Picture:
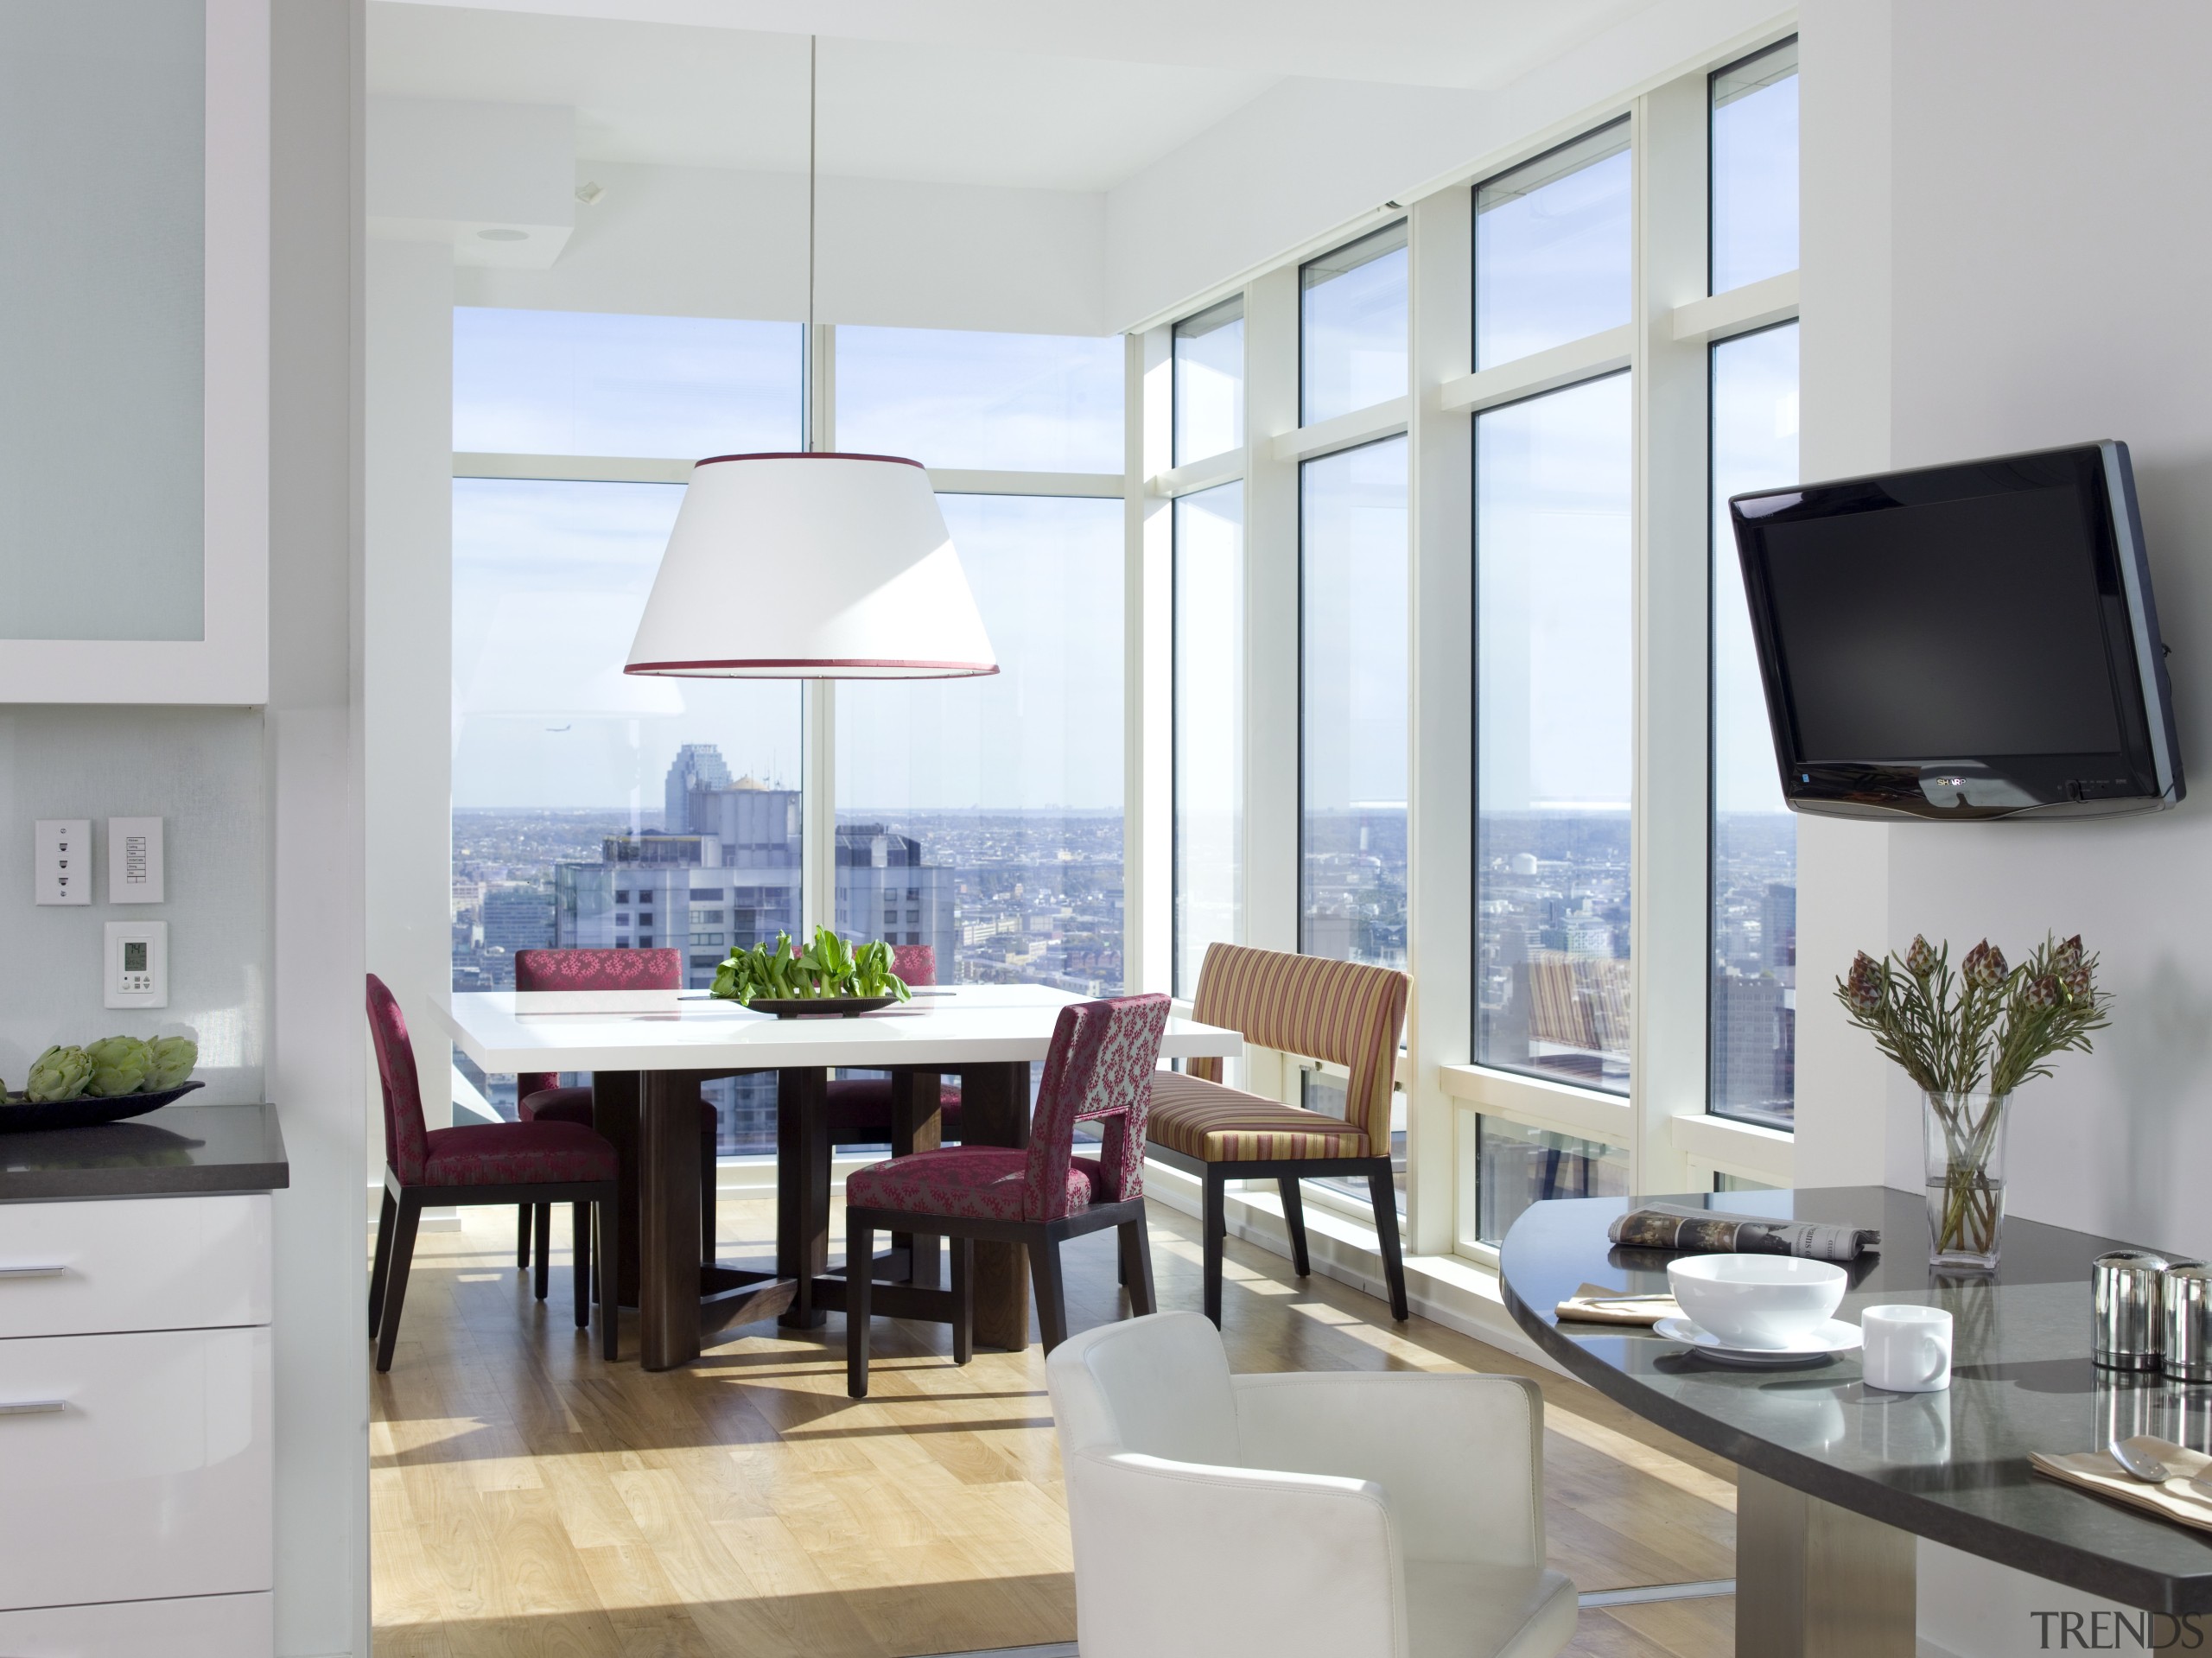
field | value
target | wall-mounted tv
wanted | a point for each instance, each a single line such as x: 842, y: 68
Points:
x: 1960, y: 642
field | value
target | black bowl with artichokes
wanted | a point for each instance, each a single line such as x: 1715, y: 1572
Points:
x: 106, y: 1081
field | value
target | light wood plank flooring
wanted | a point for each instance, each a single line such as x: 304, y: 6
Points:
x: 528, y: 1500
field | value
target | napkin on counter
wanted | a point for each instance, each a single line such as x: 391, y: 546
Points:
x: 1593, y: 1304
x: 2095, y: 1471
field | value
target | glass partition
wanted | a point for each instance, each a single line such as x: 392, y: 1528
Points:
x: 1519, y: 1166
x: 1210, y: 381
x: 1754, y: 222
x: 1351, y: 349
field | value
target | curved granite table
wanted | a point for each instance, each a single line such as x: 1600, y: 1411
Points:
x: 1836, y: 1478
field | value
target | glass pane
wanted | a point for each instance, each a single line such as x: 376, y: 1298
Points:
x: 103, y: 111
x: 1554, y: 710
x: 1352, y: 558
x: 1755, y: 168
x: 580, y: 383
x: 1551, y: 248
x: 592, y: 809
x: 1740, y: 1183
x: 983, y: 816
x: 1516, y: 1166
x: 991, y: 401
x: 1210, y: 381
x: 1352, y: 344
x: 1754, y: 835
x: 1209, y: 698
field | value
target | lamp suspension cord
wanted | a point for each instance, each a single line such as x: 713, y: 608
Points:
x: 813, y: 355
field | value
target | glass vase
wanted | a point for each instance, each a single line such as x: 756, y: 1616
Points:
x: 1963, y: 1139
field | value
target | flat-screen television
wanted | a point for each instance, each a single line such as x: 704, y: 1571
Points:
x: 1961, y: 642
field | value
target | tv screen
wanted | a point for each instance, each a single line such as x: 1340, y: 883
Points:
x: 1972, y: 640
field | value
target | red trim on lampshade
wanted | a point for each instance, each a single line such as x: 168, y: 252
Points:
x: 813, y: 455
x: 818, y: 667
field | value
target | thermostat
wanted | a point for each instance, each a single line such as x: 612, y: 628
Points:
x: 137, y: 964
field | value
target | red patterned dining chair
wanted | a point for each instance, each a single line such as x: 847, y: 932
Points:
x: 1099, y: 1069
x: 1345, y: 1012
x: 482, y: 1163
x: 859, y: 1107
x: 539, y: 1096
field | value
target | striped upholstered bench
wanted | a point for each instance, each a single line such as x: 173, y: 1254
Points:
x: 1343, y: 1012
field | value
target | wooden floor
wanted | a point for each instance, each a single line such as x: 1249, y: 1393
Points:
x: 529, y: 1500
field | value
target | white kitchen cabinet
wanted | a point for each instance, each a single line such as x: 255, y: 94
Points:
x: 209, y: 1626
x: 95, y: 1268
x: 134, y: 321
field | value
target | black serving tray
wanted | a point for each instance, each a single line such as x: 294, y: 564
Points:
x: 818, y: 1006
x: 19, y: 1115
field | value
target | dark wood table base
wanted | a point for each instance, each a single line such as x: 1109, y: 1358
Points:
x: 652, y: 1118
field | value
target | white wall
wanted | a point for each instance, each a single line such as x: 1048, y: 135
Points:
x: 318, y: 1042
x: 2002, y: 250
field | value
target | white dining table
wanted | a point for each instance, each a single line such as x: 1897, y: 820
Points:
x: 648, y: 1053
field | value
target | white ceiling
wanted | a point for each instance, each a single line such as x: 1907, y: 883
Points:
x: 673, y: 95
x: 1467, y: 43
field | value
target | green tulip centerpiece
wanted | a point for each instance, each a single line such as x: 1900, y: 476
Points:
x: 1969, y: 1039
x: 829, y: 971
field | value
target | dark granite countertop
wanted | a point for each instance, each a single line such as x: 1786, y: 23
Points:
x: 178, y: 1151
x: 1952, y: 1465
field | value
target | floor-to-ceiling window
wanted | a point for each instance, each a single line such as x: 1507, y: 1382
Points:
x: 982, y: 816
x: 1554, y: 654
x: 1753, y: 1019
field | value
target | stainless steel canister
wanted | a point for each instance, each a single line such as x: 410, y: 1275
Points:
x: 2123, y: 1290
x: 2185, y: 1299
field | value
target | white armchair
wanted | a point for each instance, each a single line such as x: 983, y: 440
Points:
x: 1345, y: 1514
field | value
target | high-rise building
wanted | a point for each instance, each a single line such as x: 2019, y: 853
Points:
x: 885, y: 891
x: 698, y: 765
x: 1779, y: 930
x: 516, y: 917
x: 1753, y: 1036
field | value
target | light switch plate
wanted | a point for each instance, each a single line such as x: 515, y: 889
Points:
x: 134, y: 861
x: 63, y: 861
x: 137, y: 964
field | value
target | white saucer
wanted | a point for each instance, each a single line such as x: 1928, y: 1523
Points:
x: 1822, y: 1339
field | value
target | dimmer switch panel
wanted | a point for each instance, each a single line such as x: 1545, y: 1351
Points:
x: 134, y: 861
x: 63, y: 861
x: 137, y: 964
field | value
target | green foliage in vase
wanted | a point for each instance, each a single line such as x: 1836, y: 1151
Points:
x: 1987, y: 1027
x: 60, y: 1073
x: 828, y: 967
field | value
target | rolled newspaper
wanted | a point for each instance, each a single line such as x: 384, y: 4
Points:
x: 1712, y: 1231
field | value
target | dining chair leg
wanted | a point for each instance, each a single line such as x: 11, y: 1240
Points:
x: 963, y: 1299
x: 707, y: 1240
x: 1383, y: 1189
x: 1051, y: 1292
x: 609, y: 1258
x: 1215, y: 1229
x: 1135, y: 1251
x: 380, y: 1273
x: 1293, y: 1218
x: 580, y: 1258
x: 859, y: 1249
x: 542, y: 1225
x: 522, y: 1237
x: 403, y: 1256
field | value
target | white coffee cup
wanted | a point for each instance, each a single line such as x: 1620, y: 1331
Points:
x: 1908, y: 1348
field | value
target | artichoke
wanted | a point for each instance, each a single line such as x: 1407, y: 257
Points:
x: 120, y: 1065
x: 170, y: 1060
x: 59, y: 1074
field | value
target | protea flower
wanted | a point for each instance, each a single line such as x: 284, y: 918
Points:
x: 2042, y: 994
x: 1919, y: 960
x: 2077, y: 979
x: 1864, y: 987
x: 1984, y: 967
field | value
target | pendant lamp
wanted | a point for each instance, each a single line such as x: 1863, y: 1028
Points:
x: 815, y: 565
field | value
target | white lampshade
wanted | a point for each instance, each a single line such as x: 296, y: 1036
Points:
x: 811, y: 566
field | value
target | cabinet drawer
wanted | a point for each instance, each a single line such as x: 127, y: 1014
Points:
x: 137, y: 1263
x: 212, y: 1626
x: 136, y: 1467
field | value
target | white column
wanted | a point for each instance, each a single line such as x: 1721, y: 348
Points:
x: 1271, y: 603
x: 408, y: 677
x: 1148, y: 802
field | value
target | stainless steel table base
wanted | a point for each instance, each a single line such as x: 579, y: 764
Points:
x: 1814, y: 1580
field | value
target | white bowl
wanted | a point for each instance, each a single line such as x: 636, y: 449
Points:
x: 1757, y: 1301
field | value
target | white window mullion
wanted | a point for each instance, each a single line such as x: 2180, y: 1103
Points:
x: 1271, y: 805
